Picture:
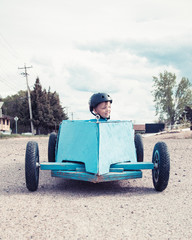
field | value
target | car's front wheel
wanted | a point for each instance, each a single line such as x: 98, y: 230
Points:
x: 161, y: 161
x: 32, y: 166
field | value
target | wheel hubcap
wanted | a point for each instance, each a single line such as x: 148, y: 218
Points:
x: 37, y: 167
x: 156, y: 166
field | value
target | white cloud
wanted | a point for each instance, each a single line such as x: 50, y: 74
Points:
x: 81, y: 47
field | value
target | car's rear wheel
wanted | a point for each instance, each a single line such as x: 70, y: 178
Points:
x: 139, y: 147
x: 51, y: 147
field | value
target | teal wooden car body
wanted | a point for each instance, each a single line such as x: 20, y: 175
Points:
x: 96, y: 151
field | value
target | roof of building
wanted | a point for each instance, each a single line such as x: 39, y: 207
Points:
x: 139, y: 127
x: 6, y: 117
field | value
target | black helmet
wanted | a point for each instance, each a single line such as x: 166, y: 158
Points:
x: 98, y: 98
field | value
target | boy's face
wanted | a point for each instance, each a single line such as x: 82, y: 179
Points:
x: 103, y: 109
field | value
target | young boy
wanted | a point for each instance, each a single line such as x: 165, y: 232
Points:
x: 100, y: 105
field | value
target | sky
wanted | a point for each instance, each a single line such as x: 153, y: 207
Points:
x: 80, y: 47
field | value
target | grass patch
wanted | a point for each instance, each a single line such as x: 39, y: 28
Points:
x: 4, y: 136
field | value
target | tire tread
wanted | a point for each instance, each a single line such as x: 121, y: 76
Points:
x: 164, y: 166
x: 31, y: 172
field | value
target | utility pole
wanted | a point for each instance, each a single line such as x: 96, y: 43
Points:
x: 29, y: 97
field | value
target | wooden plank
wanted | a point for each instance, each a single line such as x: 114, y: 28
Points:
x: 80, y: 169
x: 133, y: 166
x: 67, y: 166
x: 116, y: 169
x: 83, y: 176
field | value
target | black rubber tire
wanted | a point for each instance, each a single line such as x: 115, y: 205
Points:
x: 161, y: 160
x: 51, y: 147
x: 139, y: 147
x: 32, y: 166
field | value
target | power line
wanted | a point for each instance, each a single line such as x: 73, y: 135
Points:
x: 12, y: 51
x: 29, y: 96
x: 10, y: 59
x: 9, y: 79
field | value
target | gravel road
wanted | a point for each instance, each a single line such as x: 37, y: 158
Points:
x: 66, y: 209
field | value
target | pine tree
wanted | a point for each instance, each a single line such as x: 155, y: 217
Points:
x: 47, y: 110
x: 38, y: 99
x: 56, y: 109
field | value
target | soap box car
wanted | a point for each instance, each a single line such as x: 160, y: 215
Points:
x: 97, y: 151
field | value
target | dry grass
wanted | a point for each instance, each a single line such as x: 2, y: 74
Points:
x: 176, y: 135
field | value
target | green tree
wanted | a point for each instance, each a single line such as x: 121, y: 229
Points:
x: 170, y: 99
x: 38, y: 102
x: 17, y: 105
x: 183, y: 97
x: 187, y: 115
x: 56, y: 109
x: 46, y: 108
x: 23, y: 114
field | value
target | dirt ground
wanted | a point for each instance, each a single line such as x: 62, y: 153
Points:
x: 66, y: 209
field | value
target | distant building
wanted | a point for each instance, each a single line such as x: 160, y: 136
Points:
x: 149, y: 127
x: 139, y: 128
x: 4, y: 121
x: 154, y: 127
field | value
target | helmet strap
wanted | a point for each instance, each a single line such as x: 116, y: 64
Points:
x: 98, y: 116
x: 93, y: 113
